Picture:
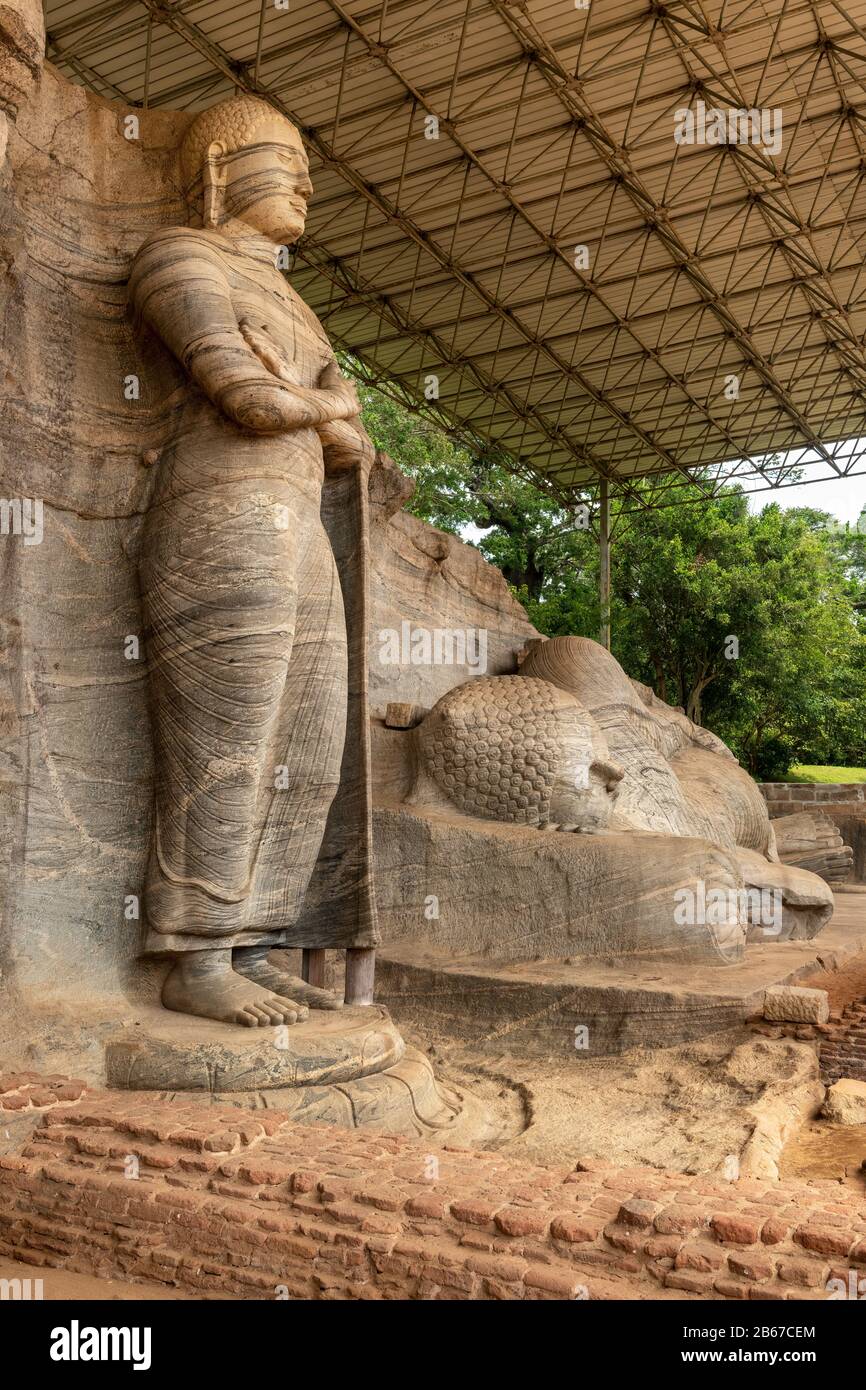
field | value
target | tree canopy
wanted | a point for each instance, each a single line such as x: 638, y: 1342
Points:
x: 753, y: 622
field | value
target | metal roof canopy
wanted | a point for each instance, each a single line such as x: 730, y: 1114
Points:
x: 454, y: 256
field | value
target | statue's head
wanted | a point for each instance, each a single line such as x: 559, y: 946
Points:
x: 515, y: 749
x: 584, y: 668
x: 242, y: 159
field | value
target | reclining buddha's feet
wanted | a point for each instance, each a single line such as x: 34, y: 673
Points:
x: 253, y: 962
x: 203, y: 983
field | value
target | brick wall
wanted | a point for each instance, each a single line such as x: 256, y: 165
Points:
x: 209, y: 1198
x: 787, y: 798
x: 25, y: 1091
x: 843, y: 1049
x: 841, y: 1042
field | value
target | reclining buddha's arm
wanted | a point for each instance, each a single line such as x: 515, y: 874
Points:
x: 179, y: 288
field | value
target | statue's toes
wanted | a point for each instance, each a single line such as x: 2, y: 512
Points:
x: 272, y: 1011
x: 287, y: 1009
x: 320, y: 998
x: 310, y: 996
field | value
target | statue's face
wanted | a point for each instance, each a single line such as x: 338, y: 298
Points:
x: 584, y: 792
x: 267, y: 184
x: 587, y: 778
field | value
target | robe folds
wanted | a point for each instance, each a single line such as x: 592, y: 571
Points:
x: 253, y: 574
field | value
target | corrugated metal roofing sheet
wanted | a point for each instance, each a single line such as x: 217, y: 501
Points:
x: 456, y: 255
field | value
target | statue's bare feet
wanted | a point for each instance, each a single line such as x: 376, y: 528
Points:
x: 203, y: 983
x: 253, y: 962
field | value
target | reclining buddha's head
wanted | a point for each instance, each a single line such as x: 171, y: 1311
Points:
x: 511, y: 748
x: 585, y: 669
x: 242, y: 159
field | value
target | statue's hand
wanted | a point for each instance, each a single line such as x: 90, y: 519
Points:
x: 331, y: 379
x: 259, y: 341
x: 346, y: 444
x: 336, y: 396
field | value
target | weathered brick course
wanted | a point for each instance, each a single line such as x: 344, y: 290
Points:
x: 262, y: 1208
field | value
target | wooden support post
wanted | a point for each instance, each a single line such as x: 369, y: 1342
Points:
x: 360, y: 974
x: 313, y: 967
x: 604, y: 561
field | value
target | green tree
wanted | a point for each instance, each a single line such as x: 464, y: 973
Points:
x: 753, y: 623
x: 530, y: 537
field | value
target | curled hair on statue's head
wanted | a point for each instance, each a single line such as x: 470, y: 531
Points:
x: 230, y: 124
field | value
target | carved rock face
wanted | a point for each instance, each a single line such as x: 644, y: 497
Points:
x: 517, y: 749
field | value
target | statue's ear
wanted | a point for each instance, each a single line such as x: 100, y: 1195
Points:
x: 213, y: 184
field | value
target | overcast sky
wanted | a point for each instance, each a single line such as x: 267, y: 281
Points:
x: 842, y: 497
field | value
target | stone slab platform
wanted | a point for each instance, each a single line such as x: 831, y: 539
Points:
x: 171, y: 1051
x: 349, y: 1067
x: 536, y: 1008
x: 209, y: 1200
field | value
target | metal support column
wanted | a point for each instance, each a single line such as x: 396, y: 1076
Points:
x: 604, y: 561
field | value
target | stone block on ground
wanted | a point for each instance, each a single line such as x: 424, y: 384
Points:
x: 845, y: 1103
x: 795, y: 1004
x: 400, y: 715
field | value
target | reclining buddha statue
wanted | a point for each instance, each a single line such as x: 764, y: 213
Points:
x: 672, y: 846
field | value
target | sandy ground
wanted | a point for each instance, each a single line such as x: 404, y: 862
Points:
x: 823, y: 1150
x: 842, y: 985
x: 687, y: 1108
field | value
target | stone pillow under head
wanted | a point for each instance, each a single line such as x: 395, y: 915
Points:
x: 517, y: 749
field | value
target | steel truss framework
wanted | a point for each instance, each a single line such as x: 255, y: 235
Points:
x: 713, y: 327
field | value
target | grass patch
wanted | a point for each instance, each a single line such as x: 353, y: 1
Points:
x: 801, y: 772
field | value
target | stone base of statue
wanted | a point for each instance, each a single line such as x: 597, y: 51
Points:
x: 349, y: 1068
x: 175, y: 1052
